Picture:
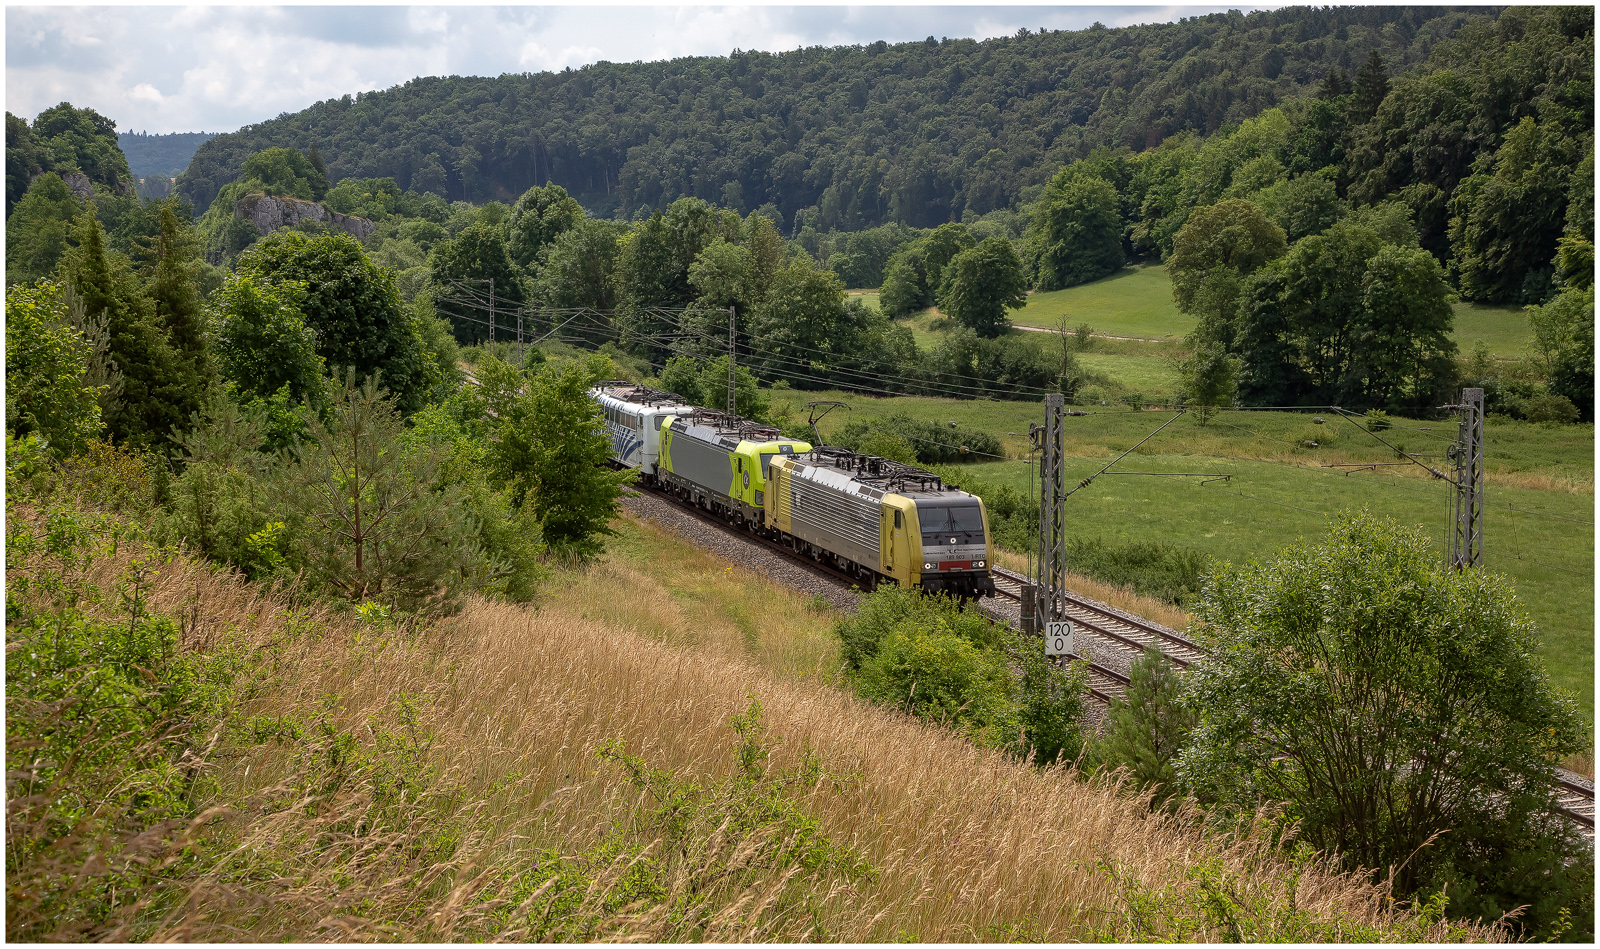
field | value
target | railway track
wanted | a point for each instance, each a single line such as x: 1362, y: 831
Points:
x: 1115, y: 626
x: 1104, y: 684
x: 1119, y: 629
x: 1575, y: 797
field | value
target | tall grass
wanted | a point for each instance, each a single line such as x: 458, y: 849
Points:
x: 502, y: 775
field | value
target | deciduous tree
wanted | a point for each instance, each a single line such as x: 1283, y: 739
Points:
x: 981, y: 284
x: 38, y: 231
x: 353, y: 307
x: 47, y: 362
x: 1075, y: 231
x: 262, y: 342
x: 553, y: 452
x: 1217, y: 248
x: 1386, y: 700
x: 540, y: 216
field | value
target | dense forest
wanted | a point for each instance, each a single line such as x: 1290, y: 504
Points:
x: 1318, y: 243
x: 920, y: 133
x: 161, y: 154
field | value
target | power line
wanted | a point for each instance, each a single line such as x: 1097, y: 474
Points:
x: 977, y: 392
x: 958, y: 391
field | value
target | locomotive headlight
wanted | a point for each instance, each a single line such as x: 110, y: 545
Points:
x: 927, y: 566
x: 981, y: 563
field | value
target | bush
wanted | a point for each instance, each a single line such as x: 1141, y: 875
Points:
x: 114, y: 715
x: 933, y: 443
x: 927, y: 656
x: 1312, y: 655
x: 1155, y: 569
x: 1548, y: 407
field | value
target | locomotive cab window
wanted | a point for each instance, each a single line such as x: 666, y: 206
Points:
x: 962, y: 521
x: 897, y: 523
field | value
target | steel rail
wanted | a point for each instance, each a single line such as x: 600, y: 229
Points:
x: 1111, y: 681
x: 1132, y: 622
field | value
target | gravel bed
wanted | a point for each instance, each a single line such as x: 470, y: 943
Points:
x: 740, y: 551
x: 1107, y: 653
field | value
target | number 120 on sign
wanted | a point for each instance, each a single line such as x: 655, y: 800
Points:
x: 1058, y: 639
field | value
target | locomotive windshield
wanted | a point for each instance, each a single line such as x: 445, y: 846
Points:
x: 962, y: 520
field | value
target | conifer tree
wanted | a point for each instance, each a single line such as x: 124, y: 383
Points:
x: 152, y: 406
x: 1148, y: 726
x: 1372, y: 87
x: 176, y: 299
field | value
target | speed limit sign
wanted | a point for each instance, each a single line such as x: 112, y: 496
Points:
x: 1058, y: 639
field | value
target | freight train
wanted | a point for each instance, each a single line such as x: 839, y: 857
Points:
x: 875, y: 519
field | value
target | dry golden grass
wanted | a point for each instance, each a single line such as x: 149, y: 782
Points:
x: 510, y: 704
x: 685, y: 596
x: 1540, y: 481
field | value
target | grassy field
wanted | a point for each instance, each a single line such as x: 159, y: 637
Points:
x: 1540, y: 492
x: 1155, y: 376
x: 1135, y: 301
x: 1135, y: 306
x: 1541, y: 540
x: 869, y: 297
x: 629, y: 762
x: 1504, y: 329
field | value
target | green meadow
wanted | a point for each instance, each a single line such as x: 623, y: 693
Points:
x: 1136, y: 302
x: 1539, y: 525
x: 1541, y: 541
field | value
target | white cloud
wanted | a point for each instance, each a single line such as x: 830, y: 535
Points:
x: 144, y: 92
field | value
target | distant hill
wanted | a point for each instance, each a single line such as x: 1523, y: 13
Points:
x: 161, y: 154
x: 921, y: 133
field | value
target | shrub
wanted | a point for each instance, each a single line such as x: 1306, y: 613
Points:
x: 932, y: 443
x: 1160, y: 570
x: 1312, y: 656
x: 1548, y: 407
x: 114, y: 716
x: 927, y: 656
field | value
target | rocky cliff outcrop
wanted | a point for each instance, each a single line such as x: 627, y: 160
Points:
x: 79, y: 184
x: 269, y: 213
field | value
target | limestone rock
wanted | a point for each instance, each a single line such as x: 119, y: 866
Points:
x: 270, y: 213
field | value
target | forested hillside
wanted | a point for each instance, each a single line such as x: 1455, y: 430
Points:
x: 920, y: 133
x: 160, y: 154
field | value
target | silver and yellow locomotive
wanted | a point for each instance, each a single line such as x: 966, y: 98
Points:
x: 871, y: 517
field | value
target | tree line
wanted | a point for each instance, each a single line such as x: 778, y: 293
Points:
x: 290, y: 414
x: 840, y: 138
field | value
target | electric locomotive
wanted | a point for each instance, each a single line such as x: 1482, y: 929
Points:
x: 883, y: 519
x: 634, y: 415
x: 874, y: 518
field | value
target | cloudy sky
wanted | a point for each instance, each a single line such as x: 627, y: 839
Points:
x: 216, y: 68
